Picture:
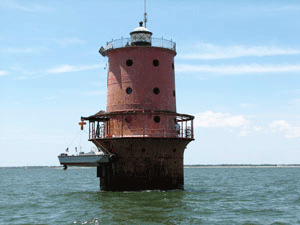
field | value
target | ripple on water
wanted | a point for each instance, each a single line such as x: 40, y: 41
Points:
x: 212, y: 196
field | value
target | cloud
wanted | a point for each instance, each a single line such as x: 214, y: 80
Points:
x: 29, y: 77
x: 281, y: 124
x: 289, y: 130
x: 238, y: 69
x: 24, y: 50
x: 242, y: 126
x: 284, y: 8
x: 245, y: 105
x: 39, y: 100
x: 211, y: 119
x: 211, y: 52
x: 40, y: 49
x: 249, y: 129
x: 232, y: 123
x: 3, y: 73
x: 68, y: 41
x: 69, y: 68
x: 14, y: 5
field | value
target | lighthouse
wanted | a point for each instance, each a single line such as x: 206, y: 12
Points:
x: 140, y: 131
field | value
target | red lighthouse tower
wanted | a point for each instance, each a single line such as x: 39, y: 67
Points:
x: 140, y: 130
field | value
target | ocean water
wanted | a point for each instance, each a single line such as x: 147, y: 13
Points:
x: 211, y: 196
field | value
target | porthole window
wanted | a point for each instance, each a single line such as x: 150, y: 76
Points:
x: 129, y: 62
x: 156, y: 91
x: 156, y: 119
x: 155, y: 62
x: 129, y: 90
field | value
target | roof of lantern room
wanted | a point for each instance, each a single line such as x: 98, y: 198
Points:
x: 141, y: 32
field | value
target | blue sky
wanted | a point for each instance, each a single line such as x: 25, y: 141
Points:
x: 237, y: 70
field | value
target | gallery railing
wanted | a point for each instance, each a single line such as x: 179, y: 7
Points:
x: 126, y: 42
x: 102, y: 130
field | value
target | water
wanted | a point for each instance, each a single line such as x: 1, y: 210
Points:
x: 211, y: 196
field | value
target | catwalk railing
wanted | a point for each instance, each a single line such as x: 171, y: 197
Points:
x: 96, y: 132
x: 102, y: 130
x: 119, y: 125
x: 126, y: 42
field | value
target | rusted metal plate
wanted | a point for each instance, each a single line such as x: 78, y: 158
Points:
x: 148, y: 74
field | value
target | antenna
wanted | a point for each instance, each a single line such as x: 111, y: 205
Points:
x: 145, y: 14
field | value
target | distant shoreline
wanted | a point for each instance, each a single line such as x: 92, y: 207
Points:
x: 185, y: 166
x: 244, y: 166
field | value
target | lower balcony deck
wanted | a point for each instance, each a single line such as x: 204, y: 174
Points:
x: 151, y: 124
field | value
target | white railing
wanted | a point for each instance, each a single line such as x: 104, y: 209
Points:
x: 125, y: 42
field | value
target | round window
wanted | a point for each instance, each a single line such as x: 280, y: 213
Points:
x: 156, y: 119
x: 156, y: 91
x: 155, y: 62
x: 129, y: 62
x: 129, y: 90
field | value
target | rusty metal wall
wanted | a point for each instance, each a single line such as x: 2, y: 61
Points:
x: 145, y: 164
x: 142, y: 77
x: 142, y: 125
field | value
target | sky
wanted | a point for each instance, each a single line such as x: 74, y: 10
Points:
x: 237, y: 70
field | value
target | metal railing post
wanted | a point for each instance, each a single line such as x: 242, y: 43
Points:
x: 192, y: 128
x: 122, y: 125
x: 89, y: 129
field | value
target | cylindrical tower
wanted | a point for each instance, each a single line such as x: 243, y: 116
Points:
x: 141, y: 129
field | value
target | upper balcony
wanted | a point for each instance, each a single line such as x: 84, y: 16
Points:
x: 140, y: 36
x: 127, y: 42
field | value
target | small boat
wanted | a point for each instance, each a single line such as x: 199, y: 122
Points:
x: 83, y: 159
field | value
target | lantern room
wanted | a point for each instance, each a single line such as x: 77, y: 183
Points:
x: 141, y: 36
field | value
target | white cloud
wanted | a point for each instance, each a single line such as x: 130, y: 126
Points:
x: 211, y: 119
x: 281, y: 124
x: 27, y: 77
x: 3, y: 73
x: 242, y: 126
x: 244, y: 104
x: 284, y: 8
x: 210, y: 51
x: 249, y: 129
x: 11, y: 4
x: 68, y: 41
x: 24, y: 50
x: 289, y: 130
x: 247, y: 105
x: 232, y: 123
x: 69, y: 68
x: 296, y: 101
x: 38, y: 100
x: 238, y: 69
x: 257, y: 128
